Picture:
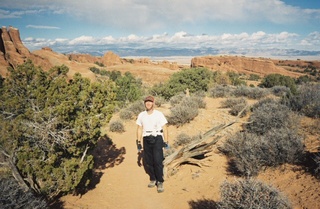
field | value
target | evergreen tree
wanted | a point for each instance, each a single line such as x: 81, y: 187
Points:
x: 48, y: 124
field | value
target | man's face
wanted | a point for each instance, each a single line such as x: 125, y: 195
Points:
x: 149, y: 105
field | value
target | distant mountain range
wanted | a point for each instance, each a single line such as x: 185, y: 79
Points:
x: 98, y: 50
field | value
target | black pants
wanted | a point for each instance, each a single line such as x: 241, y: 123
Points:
x: 153, y: 156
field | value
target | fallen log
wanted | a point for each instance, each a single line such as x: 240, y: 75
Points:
x: 196, y: 148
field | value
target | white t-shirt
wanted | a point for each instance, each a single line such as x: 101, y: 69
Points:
x: 152, y: 124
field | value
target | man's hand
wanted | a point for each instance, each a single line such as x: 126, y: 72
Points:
x: 139, y: 146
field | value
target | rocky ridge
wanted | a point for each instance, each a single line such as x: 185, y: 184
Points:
x: 13, y: 53
x: 246, y: 65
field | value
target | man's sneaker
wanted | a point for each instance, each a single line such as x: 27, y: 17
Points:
x: 160, y: 187
x: 152, y: 184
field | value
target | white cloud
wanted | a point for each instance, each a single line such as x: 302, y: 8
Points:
x: 142, y: 15
x: 312, y: 40
x: 184, y: 40
x: 7, y: 14
x: 42, y: 27
x: 83, y: 40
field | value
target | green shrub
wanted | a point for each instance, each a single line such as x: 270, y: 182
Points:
x: 116, y: 126
x: 303, y: 79
x: 129, y: 88
x: 250, y: 193
x: 53, y: 122
x: 99, y: 64
x: 235, y: 79
x: 194, y: 79
x: 254, y: 77
x: 272, y: 80
x: 95, y: 70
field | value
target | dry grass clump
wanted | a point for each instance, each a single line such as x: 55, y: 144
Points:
x: 176, y: 99
x: 13, y: 196
x: 238, y: 91
x: 250, y: 92
x: 249, y: 152
x: 280, y: 91
x: 126, y: 114
x: 249, y: 193
x: 159, y: 101
x: 116, y: 126
x: 269, y: 139
x: 230, y: 102
x: 236, y: 109
x: 185, y: 110
x: 306, y: 101
x: 136, y: 107
x: 182, y: 139
x: 236, y: 105
x: 270, y: 114
x: 221, y: 91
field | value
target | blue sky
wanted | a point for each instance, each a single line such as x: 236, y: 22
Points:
x: 287, y: 24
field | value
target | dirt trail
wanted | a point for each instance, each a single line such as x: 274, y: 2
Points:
x: 123, y: 184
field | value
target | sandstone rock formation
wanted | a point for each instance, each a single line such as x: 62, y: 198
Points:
x: 13, y: 52
x: 238, y: 64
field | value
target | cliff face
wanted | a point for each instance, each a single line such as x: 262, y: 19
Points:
x: 13, y: 52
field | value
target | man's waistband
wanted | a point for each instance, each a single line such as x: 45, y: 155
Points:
x: 159, y: 131
x: 153, y: 133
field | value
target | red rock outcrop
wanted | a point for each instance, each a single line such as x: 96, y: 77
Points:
x: 14, y: 53
x: 110, y: 59
x: 245, y: 65
x: 83, y: 58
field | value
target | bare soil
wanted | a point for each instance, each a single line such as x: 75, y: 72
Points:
x: 121, y: 181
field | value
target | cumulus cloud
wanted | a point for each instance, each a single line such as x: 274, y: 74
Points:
x: 83, y: 40
x: 182, y: 39
x: 149, y: 15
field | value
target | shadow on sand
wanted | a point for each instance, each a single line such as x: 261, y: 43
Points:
x: 106, y: 155
x: 203, y: 204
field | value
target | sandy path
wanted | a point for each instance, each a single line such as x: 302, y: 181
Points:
x: 123, y: 184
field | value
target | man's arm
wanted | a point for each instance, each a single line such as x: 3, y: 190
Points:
x: 139, y: 133
x: 165, y: 133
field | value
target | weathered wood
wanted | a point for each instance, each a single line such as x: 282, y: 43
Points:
x: 196, y: 148
x: 15, y: 173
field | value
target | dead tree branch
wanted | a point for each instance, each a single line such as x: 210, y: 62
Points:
x: 196, y: 148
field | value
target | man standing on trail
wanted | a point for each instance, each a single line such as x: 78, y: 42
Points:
x: 152, y: 130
